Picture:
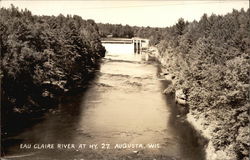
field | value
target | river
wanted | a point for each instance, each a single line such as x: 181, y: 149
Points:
x: 121, y: 115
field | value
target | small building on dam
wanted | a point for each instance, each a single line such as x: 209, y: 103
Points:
x: 140, y: 44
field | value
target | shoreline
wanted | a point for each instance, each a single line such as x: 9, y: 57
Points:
x: 196, y: 119
x: 206, y: 131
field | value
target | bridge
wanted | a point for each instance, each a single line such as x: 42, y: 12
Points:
x: 139, y: 43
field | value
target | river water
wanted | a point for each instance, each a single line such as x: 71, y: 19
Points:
x: 122, y: 115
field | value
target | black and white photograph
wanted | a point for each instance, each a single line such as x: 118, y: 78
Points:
x: 125, y: 79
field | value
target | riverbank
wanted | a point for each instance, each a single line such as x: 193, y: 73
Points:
x: 201, y: 125
x: 43, y: 59
x: 208, y: 122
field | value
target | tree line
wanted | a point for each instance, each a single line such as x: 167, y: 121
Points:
x: 126, y: 31
x: 210, y: 57
x: 43, y: 57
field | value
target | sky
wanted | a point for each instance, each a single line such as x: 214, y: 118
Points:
x: 161, y: 13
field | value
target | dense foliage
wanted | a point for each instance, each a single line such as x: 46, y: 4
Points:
x: 120, y: 31
x: 44, y: 56
x: 211, y: 60
x: 115, y: 30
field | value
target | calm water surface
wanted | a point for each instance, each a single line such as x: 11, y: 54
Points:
x: 123, y: 105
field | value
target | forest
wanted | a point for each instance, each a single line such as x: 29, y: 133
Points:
x: 210, y: 59
x: 44, y: 57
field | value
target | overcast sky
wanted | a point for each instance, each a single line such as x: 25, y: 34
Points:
x: 140, y: 13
